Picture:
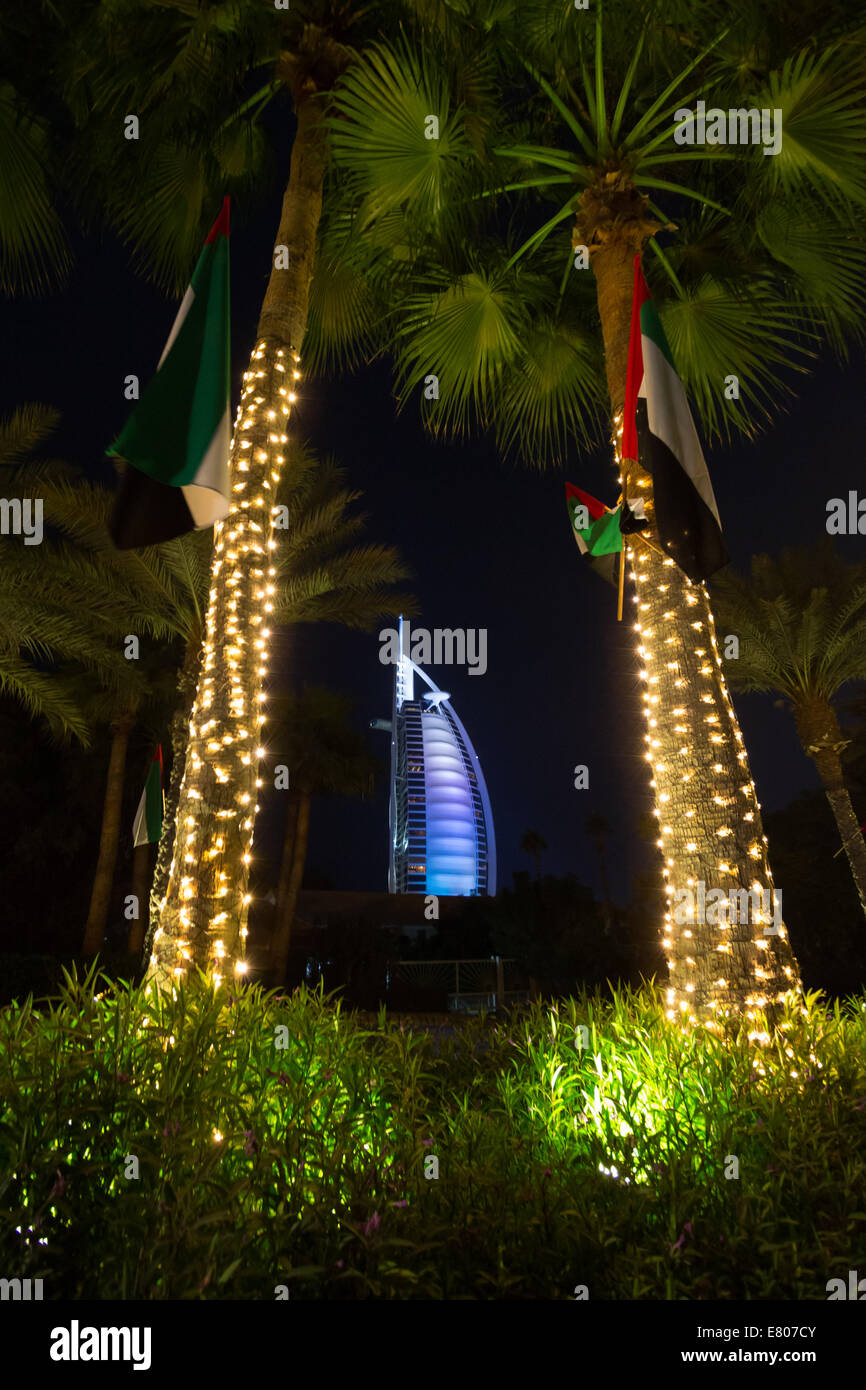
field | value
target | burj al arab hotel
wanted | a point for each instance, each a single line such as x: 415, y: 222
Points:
x: 441, y: 826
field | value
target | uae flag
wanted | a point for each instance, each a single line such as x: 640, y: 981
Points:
x: 659, y: 433
x: 176, y: 442
x: 598, y: 530
x: 147, y: 826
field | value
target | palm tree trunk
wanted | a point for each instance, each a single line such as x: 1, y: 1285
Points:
x: 605, y: 886
x: 287, y: 858
x: 709, y: 817
x: 103, y: 878
x: 140, y: 875
x: 179, y: 735
x: 286, y: 917
x: 204, y: 917
x: 822, y: 739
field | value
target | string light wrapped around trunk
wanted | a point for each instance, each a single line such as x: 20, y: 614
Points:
x: 706, y: 802
x: 203, y: 916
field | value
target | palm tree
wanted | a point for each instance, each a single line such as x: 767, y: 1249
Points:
x: 326, y: 757
x: 598, y: 829
x: 157, y: 592
x: 34, y: 143
x: 39, y: 634
x: 766, y: 268
x: 325, y: 574
x: 533, y: 845
x: 65, y: 609
x: 58, y: 628
x: 50, y: 626
x: 187, y: 72
x: 801, y: 626
x: 324, y: 571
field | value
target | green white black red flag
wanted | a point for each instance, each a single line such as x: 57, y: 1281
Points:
x: 147, y: 826
x: 176, y: 442
x: 659, y: 433
x: 598, y: 529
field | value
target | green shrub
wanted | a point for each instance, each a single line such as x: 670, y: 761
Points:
x: 607, y: 1165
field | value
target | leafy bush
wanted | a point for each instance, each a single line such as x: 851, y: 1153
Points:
x: 609, y: 1165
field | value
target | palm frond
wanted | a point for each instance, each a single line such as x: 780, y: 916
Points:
x: 381, y: 134
x: 718, y: 329
x: 306, y: 601
x: 826, y: 259
x: 43, y: 697
x: 554, y: 394
x: 23, y: 431
x: 800, y: 620
x: 823, y: 113
x: 34, y: 251
x: 344, y: 310
x: 465, y: 336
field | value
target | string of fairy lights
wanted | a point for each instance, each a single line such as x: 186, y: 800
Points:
x: 732, y: 816
x: 227, y: 719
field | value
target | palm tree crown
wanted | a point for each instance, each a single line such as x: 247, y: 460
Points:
x: 800, y: 628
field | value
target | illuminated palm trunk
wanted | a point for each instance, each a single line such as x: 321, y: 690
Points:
x: 203, y: 917
x: 186, y: 688
x: 710, y: 831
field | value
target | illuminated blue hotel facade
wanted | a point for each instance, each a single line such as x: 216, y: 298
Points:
x: 441, y: 825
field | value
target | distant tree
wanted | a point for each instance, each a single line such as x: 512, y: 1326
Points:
x: 533, y: 845
x: 801, y: 625
x: 554, y: 930
x: 598, y: 829
x: 156, y: 592
x: 821, y: 906
x: 50, y: 624
x: 326, y: 756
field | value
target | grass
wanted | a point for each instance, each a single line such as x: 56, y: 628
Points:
x: 245, y: 1146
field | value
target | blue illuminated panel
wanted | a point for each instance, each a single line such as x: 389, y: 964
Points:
x: 442, y: 837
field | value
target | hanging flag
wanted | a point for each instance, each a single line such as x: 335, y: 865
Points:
x: 176, y: 442
x: 659, y: 433
x: 598, y: 529
x: 147, y: 826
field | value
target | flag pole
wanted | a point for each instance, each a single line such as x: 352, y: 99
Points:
x: 621, y: 587
x: 847, y: 842
x: 652, y: 545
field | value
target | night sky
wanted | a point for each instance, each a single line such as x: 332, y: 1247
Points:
x: 490, y: 546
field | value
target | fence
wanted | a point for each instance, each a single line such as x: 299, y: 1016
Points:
x: 468, y: 985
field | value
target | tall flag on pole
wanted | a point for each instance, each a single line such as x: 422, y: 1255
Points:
x: 659, y: 433
x: 176, y: 442
x: 147, y: 826
x: 598, y: 529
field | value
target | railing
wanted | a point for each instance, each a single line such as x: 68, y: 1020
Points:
x: 470, y: 985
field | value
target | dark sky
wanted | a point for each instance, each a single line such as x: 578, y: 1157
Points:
x: 491, y: 548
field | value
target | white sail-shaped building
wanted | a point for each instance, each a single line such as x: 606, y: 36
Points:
x: 441, y: 825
